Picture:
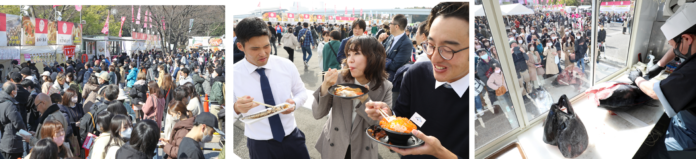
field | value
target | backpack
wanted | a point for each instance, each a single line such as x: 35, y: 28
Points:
x: 87, y: 122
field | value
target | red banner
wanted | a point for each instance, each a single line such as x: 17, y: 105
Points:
x: 306, y: 16
x: 120, y: 30
x: 138, y: 22
x: 69, y: 50
x: 105, y: 30
x: 132, y: 14
x: 272, y: 15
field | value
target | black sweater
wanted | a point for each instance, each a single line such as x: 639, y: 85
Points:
x: 446, y: 114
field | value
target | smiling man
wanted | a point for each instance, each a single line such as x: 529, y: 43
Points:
x: 436, y: 92
x: 272, y: 80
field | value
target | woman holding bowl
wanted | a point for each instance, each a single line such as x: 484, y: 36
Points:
x: 343, y: 135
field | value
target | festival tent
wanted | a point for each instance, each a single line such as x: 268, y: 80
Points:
x: 478, y: 10
x: 515, y: 9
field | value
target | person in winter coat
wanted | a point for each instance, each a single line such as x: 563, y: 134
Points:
x: 601, y: 38
x: 139, y: 95
x: 60, y: 85
x: 48, y: 112
x: 142, y: 143
x: 194, y: 105
x: 75, y: 112
x: 496, y: 81
x: 120, y: 132
x: 154, y: 105
x: 198, y: 80
x: 101, y: 144
x: 113, y: 79
x: 52, y: 130
x: 217, y: 92
x: 290, y: 43
x: 132, y: 75
x: 179, y: 131
x: 11, y: 122
x: 90, y: 93
x: 551, y: 55
x: 180, y: 97
x: 568, y: 48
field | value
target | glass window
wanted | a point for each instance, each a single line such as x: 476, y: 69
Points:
x: 495, y: 113
x: 613, y: 36
x: 550, y: 52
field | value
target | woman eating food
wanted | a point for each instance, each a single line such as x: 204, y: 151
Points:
x: 365, y: 60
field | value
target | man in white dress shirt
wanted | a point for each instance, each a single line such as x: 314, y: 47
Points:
x: 271, y: 80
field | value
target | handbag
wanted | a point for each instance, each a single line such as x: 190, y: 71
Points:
x: 500, y: 91
x: 565, y: 130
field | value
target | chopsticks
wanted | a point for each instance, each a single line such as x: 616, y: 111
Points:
x: 264, y: 104
x: 389, y: 118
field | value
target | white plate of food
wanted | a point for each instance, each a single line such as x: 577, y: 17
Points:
x: 265, y: 113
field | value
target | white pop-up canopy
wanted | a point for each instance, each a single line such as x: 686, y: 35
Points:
x: 478, y: 10
x: 515, y: 9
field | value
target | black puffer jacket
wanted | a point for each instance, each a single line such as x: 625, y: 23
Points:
x: 138, y: 93
x: 11, y: 122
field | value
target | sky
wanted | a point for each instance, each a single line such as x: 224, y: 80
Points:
x: 245, y: 7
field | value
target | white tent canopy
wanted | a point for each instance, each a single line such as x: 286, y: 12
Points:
x: 478, y: 10
x: 515, y: 9
x: 585, y: 7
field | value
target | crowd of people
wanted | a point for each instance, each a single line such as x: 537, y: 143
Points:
x: 383, y: 60
x: 113, y: 107
x: 543, y: 45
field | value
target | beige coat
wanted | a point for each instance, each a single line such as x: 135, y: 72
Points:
x: 337, y: 133
x: 89, y: 93
x: 566, y: 51
x: 551, y: 67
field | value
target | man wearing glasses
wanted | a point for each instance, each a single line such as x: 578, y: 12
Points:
x: 437, y: 91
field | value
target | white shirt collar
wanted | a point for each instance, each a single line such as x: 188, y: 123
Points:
x: 396, y: 38
x: 251, y: 68
x: 459, y: 86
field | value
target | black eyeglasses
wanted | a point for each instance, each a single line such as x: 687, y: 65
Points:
x: 445, y: 52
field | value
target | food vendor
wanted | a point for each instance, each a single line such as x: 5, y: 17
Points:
x: 436, y: 92
x: 677, y: 92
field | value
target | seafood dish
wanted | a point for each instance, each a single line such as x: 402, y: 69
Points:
x: 377, y: 134
x: 267, y: 112
x: 346, y: 91
x: 398, y: 124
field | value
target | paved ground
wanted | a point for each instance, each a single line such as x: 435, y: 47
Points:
x: 311, y: 76
x: 497, y: 120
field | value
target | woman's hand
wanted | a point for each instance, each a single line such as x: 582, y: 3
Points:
x: 329, y: 80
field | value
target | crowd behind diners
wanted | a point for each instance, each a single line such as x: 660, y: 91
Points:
x: 123, y: 106
x: 435, y: 88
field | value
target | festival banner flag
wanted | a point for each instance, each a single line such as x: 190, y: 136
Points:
x: 105, y: 30
x: 145, y: 19
x: 35, y: 31
x: 78, y: 8
x: 120, y: 30
x: 132, y: 14
x: 138, y: 22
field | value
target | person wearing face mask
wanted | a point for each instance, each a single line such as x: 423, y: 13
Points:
x: 11, y: 122
x: 154, y: 105
x: 552, y: 59
x: 52, y: 129
x: 205, y: 125
x: 69, y: 106
x: 99, y: 147
x: 180, y: 97
x: 601, y: 38
x: 120, y: 132
x: 484, y: 69
x: 183, y: 124
x: 676, y: 90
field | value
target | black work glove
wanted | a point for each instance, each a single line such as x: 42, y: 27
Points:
x: 634, y: 74
x: 653, y: 71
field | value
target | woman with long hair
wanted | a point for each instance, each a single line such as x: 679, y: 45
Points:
x: 154, y: 105
x: 167, y: 88
x: 182, y: 126
x: 53, y: 130
x: 75, y: 112
x: 120, y: 130
x: 60, y: 85
x: 365, y: 60
x: 139, y: 95
x: 101, y: 144
x: 90, y: 93
x: 180, y: 95
x: 70, y: 78
x: 194, y: 105
x: 143, y: 141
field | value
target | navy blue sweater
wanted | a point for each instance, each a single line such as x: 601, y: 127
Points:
x: 446, y: 114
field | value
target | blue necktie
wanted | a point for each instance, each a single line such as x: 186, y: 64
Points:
x: 276, y: 125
